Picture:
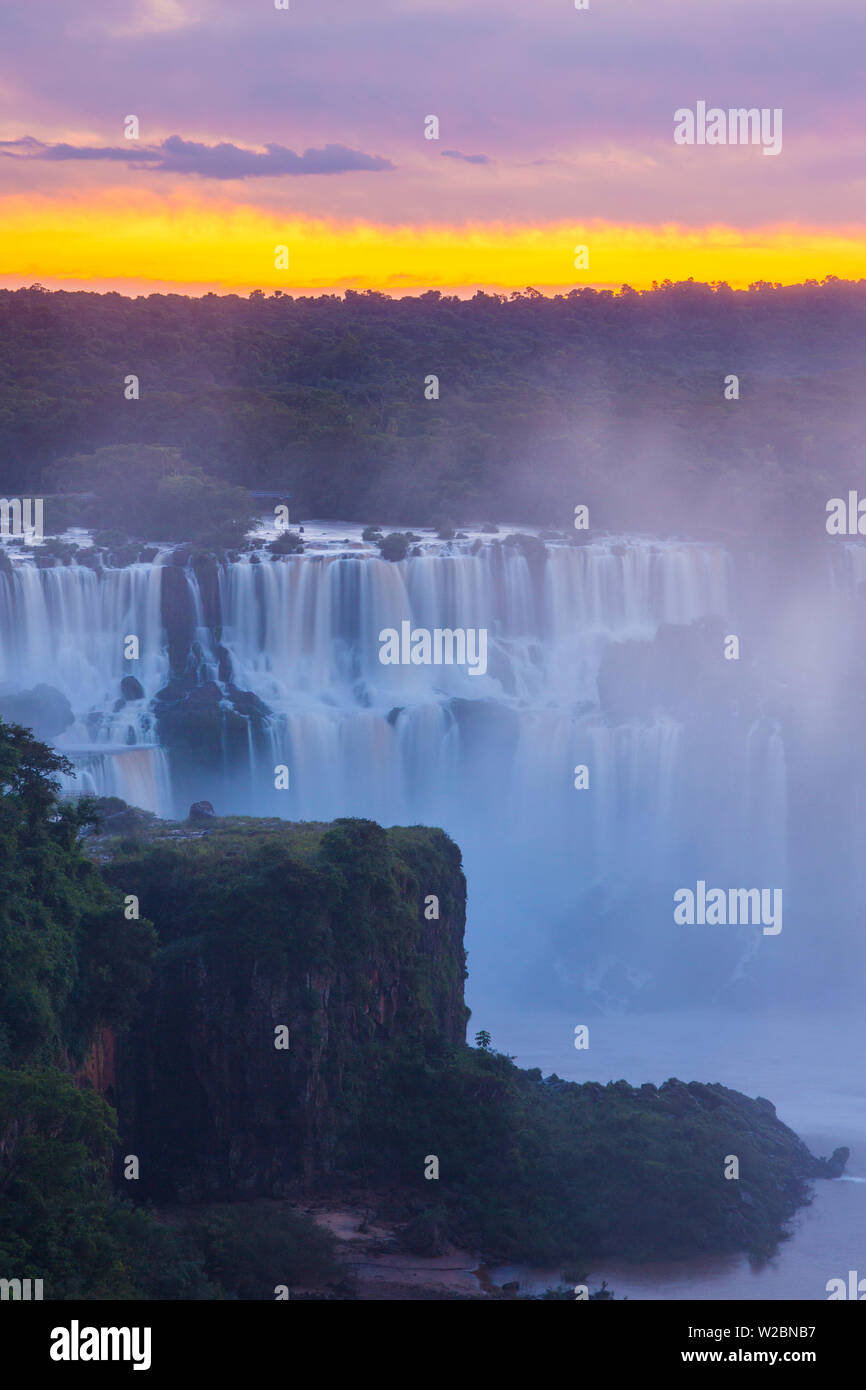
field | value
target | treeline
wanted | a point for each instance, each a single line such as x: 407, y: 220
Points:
x: 615, y: 400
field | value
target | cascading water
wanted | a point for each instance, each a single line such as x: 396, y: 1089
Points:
x: 282, y: 658
x: 66, y: 628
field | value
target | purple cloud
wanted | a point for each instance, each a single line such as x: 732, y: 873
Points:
x: 467, y: 158
x: 223, y: 161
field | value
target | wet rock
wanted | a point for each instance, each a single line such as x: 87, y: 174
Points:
x: 43, y: 709
x: 178, y: 615
x: 130, y: 821
x: 677, y: 671
x: 224, y: 666
x: 201, y: 810
x: 535, y: 552
x: 205, y: 695
x: 131, y: 688
x: 246, y: 703
x: 124, y: 557
x: 89, y: 556
x: 834, y: 1166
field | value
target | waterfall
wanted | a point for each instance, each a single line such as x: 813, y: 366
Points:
x: 139, y: 776
x: 66, y: 627
x: 282, y: 657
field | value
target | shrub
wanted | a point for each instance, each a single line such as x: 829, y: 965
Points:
x: 394, y: 546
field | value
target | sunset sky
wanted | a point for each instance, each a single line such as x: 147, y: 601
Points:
x: 305, y: 128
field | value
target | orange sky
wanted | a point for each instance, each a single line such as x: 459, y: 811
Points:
x: 139, y: 242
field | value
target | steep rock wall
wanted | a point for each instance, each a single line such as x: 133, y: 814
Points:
x: 266, y: 925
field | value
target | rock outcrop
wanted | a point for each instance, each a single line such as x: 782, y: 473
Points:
x: 292, y: 958
x: 305, y: 1030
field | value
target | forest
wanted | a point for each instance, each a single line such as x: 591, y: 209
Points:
x: 612, y: 400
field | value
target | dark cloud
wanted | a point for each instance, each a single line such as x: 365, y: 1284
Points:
x: 467, y: 158
x: 223, y: 161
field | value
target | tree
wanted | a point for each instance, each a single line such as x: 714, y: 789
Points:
x: 393, y: 546
x: 69, y: 960
x: 155, y: 494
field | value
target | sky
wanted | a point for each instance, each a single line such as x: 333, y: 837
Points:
x: 305, y: 128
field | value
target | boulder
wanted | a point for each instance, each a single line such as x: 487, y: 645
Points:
x: 834, y: 1166
x: 131, y: 688
x: 43, y: 709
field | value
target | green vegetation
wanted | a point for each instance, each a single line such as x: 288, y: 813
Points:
x: 543, y: 1170
x: 71, y: 965
x: 70, y: 962
x: 613, y: 400
x: 287, y: 543
x: 327, y: 898
x: 59, y: 1221
x: 394, y: 546
x: 248, y: 1248
x: 152, y: 494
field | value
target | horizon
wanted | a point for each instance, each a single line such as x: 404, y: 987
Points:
x: 465, y: 295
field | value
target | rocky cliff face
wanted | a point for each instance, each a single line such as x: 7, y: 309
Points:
x: 265, y: 926
x: 97, y: 1070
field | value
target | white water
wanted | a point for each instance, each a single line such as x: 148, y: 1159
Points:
x: 490, y: 758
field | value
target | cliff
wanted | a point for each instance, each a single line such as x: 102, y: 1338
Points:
x: 265, y: 926
x: 321, y: 930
